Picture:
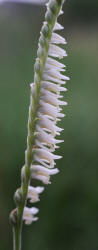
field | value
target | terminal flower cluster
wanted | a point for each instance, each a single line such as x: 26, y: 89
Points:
x: 49, y: 110
x: 45, y: 111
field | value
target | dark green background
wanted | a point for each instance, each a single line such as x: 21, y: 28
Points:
x: 68, y: 217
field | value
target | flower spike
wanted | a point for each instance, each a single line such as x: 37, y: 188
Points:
x: 44, y: 112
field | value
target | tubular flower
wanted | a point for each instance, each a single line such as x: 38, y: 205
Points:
x: 28, y: 215
x: 42, y: 173
x: 45, y: 111
x: 33, y: 193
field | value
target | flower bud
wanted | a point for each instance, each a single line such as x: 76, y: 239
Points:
x: 23, y: 175
x: 18, y: 196
x: 13, y: 217
x: 32, y: 85
x: 53, y: 6
x: 36, y: 133
x: 37, y: 66
x: 45, y: 30
x: 49, y: 16
x: 40, y: 52
x: 42, y: 40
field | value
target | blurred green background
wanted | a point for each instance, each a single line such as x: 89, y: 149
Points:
x: 68, y: 217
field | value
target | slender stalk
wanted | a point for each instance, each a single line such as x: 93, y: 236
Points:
x: 16, y: 238
x: 32, y: 120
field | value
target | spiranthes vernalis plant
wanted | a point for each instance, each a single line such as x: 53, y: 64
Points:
x: 44, y: 113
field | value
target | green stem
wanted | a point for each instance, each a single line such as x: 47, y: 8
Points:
x: 17, y: 238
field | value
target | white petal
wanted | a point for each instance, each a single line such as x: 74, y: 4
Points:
x: 43, y: 174
x: 52, y: 87
x: 44, y: 179
x: 54, y: 62
x: 62, y: 103
x: 58, y: 26
x: 47, y: 138
x: 28, y: 214
x: 61, y: 12
x: 45, y: 162
x: 56, y: 74
x: 44, y: 171
x: 49, y: 97
x: 57, y: 39
x: 33, y: 193
x: 44, y: 146
x: 33, y: 210
x: 56, y: 51
x: 32, y: 85
x: 45, y: 155
x: 47, y: 116
x: 29, y: 221
x: 47, y: 77
x: 48, y: 125
x: 39, y: 189
x: 50, y: 110
x: 33, y: 199
x: 45, y: 158
x: 44, y: 122
x: 44, y: 137
x: 35, y: 190
x: 52, y: 98
x: 48, y: 66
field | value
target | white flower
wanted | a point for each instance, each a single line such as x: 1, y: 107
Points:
x: 28, y: 215
x: 47, y: 138
x: 43, y: 174
x: 55, y: 63
x: 50, y: 110
x: 48, y: 126
x: 57, y: 39
x: 52, y: 87
x: 33, y: 193
x: 58, y: 26
x: 56, y: 51
x: 46, y: 158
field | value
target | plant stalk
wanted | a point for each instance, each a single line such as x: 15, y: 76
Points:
x: 17, y: 237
